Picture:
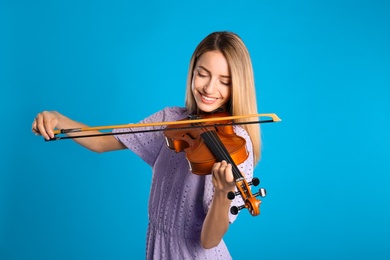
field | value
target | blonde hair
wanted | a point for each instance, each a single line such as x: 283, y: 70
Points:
x: 243, y: 96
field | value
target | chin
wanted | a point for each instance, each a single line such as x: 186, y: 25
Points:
x: 208, y: 109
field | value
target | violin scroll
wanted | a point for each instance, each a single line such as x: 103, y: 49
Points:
x: 251, y: 203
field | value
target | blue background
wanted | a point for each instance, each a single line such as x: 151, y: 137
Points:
x: 322, y: 66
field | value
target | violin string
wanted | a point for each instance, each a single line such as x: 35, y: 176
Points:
x: 229, y: 159
x: 223, y: 150
x: 217, y: 143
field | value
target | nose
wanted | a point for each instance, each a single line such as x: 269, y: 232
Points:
x: 209, y: 87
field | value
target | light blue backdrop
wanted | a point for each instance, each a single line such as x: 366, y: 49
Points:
x: 322, y: 66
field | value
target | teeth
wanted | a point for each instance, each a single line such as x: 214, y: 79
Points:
x: 208, y: 98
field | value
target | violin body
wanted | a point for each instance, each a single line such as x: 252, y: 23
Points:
x: 200, y: 157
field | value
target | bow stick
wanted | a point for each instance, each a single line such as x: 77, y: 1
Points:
x: 274, y: 118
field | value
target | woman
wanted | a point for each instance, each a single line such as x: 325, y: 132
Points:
x: 188, y: 213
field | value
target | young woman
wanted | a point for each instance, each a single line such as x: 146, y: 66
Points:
x: 188, y: 213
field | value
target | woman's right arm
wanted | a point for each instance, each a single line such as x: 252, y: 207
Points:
x: 46, y: 121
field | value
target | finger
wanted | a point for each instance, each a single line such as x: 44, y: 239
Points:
x: 216, y: 167
x: 219, y: 170
x: 34, y: 127
x: 41, y: 126
x: 226, y: 173
x: 223, y: 176
x: 224, y: 164
x: 229, y: 173
x: 49, y: 127
x: 215, y: 171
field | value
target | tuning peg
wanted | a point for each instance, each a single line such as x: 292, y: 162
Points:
x: 262, y: 193
x: 231, y: 195
x: 234, y: 210
x: 255, y: 181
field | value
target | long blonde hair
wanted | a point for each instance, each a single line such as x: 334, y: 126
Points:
x: 243, y: 96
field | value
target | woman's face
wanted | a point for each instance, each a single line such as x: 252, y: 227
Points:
x: 211, y: 81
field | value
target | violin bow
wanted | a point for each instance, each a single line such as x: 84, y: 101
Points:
x: 273, y: 118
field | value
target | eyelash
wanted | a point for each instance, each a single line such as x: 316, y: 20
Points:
x: 201, y: 75
x: 204, y: 76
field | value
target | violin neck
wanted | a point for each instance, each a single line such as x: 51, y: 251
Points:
x: 214, y: 143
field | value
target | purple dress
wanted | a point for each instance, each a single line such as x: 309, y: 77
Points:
x: 179, y: 199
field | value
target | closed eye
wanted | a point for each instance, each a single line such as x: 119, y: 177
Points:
x: 202, y: 75
x: 225, y: 80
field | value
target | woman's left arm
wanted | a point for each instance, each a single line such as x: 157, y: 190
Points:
x: 217, y: 219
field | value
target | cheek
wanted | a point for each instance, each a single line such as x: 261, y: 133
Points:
x: 226, y: 92
x: 200, y: 82
x: 196, y: 82
x: 193, y: 84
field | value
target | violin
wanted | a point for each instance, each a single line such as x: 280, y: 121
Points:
x: 206, y: 140
x: 207, y: 143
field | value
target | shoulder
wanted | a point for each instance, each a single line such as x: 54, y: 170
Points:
x: 175, y: 112
x: 167, y: 114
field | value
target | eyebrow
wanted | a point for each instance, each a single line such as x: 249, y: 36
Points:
x: 223, y: 76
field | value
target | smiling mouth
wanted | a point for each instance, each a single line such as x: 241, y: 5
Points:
x: 208, y: 99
